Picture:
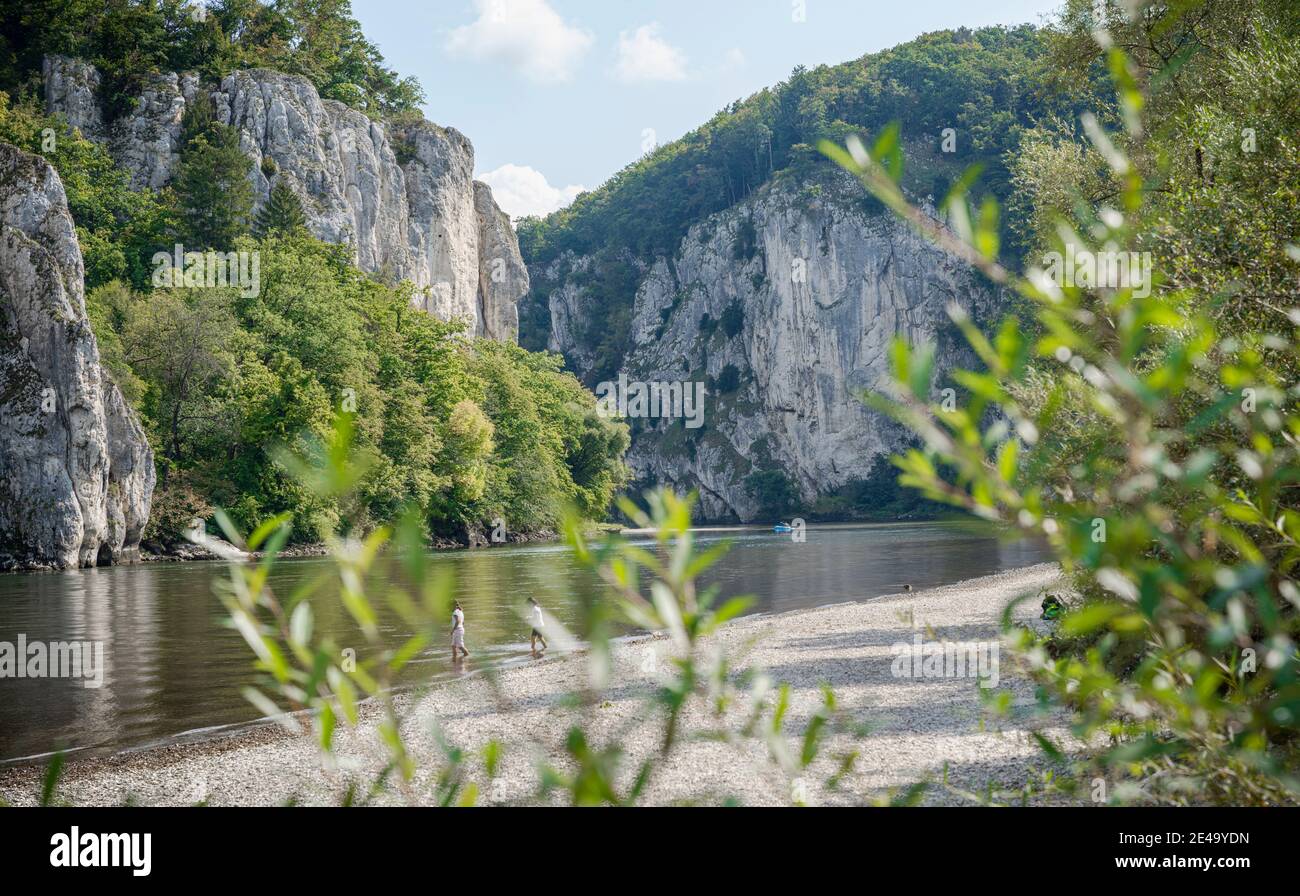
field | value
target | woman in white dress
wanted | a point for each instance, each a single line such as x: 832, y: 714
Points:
x: 458, y: 633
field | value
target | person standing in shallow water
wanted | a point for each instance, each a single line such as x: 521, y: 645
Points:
x: 538, y: 624
x: 458, y: 633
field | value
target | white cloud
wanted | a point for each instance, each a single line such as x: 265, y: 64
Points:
x: 645, y: 56
x: 521, y: 190
x: 526, y: 34
x: 733, y: 59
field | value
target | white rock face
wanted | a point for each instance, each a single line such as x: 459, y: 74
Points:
x: 148, y: 142
x: 817, y: 291
x: 76, y: 472
x: 502, y: 273
x: 72, y: 90
x: 420, y: 221
x: 443, y: 226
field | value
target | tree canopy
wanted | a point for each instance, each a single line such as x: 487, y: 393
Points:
x: 128, y: 40
x: 466, y: 430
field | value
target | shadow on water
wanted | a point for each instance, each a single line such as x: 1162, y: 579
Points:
x: 172, y: 667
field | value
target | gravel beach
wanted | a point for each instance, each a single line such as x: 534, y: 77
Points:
x: 908, y: 728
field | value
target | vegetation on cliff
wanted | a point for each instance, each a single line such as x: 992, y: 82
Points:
x: 129, y: 40
x: 471, y: 431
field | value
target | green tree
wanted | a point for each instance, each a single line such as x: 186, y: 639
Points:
x: 176, y: 342
x: 118, y: 228
x: 282, y: 214
x: 214, y: 196
x: 467, y: 449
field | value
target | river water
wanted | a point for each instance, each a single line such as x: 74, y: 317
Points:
x: 171, y: 668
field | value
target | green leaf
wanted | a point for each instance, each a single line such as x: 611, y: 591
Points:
x: 782, y: 705
x: 228, y: 527
x: 888, y: 151
x: 1052, y: 750
x: 327, y: 723
x: 409, y: 650
x: 345, y: 692
x: 300, y: 625
x: 921, y: 372
x: 50, y: 780
x: 988, y: 239
x: 730, y: 609
x: 1007, y: 457
x: 811, y: 740
x: 1091, y: 617
x: 272, y: 525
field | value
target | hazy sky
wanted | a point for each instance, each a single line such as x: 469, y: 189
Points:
x: 557, y: 95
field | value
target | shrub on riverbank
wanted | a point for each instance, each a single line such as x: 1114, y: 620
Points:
x: 1149, y: 429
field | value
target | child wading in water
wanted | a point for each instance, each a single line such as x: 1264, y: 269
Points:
x: 458, y: 633
x: 538, y: 625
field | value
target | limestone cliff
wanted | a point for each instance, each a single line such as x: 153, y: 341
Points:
x: 76, y: 472
x: 784, y: 305
x: 503, y: 278
x: 403, y: 198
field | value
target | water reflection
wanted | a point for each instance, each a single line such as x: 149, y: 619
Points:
x: 173, y: 667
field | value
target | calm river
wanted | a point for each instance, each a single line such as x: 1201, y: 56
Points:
x: 173, y: 669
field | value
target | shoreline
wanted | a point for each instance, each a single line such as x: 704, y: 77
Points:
x: 192, y: 553
x: 914, y: 725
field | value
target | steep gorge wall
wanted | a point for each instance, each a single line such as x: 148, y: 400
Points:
x: 424, y: 219
x: 821, y: 288
x: 76, y: 471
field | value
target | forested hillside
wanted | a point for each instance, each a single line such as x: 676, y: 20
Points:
x: 985, y: 85
x: 227, y: 380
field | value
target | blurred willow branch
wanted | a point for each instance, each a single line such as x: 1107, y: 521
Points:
x: 1156, y: 456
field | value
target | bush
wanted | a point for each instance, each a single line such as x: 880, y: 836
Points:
x: 775, y: 493
x: 177, y: 504
x: 1158, y: 454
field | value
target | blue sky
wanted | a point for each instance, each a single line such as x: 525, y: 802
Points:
x: 557, y: 95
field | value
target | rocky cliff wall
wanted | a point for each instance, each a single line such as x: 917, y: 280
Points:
x: 76, y: 471
x: 785, y: 306
x: 421, y: 217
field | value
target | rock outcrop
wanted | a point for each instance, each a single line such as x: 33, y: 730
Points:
x: 72, y: 90
x: 502, y: 276
x: 76, y: 472
x: 403, y: 198
x: 784, y: 306
x: 443, y: 230
x: 148, y: 143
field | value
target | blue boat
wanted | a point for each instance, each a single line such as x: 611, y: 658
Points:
x: 782, y: 527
